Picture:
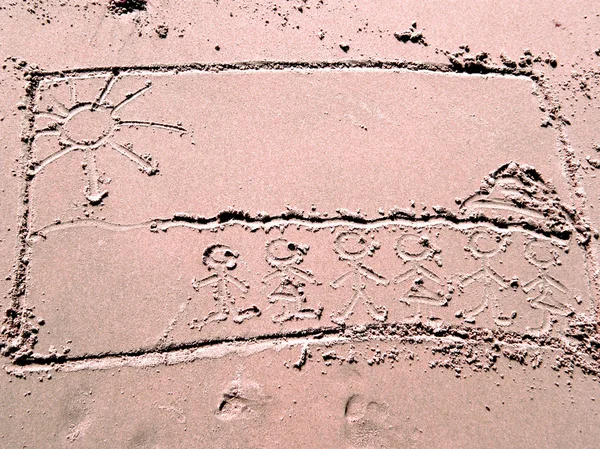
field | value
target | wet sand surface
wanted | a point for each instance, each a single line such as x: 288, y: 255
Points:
x: 270, y: 224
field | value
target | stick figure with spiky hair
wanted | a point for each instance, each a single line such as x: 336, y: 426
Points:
x: 352, y: 247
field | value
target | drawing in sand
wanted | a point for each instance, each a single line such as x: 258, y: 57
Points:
x: 352, y: 247
x: 426, y: 288
x: 483, y: 245
x: 88, y: 126
x: 517, y: 193
x: 285, y: 257
x: 542, y: 255
x: 221, y: 260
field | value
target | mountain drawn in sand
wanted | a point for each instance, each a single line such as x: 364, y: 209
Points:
x: 517, y: 193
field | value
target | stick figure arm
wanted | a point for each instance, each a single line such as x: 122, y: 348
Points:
x: 370, y: 274
x: 556, y: 284
x: 236, y: 282
x: 528, y: 286
x: 431, y: 275
x: 403, y: 276
x: 496, y: 277
x: 308, y: 277
x: 339, y: 281
x: 470, y: 278
x: 209, y: 280
x: 269, y: 276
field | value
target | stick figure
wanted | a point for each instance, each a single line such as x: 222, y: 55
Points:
x: 221, y: 259
x: 427, y: 288
x: 542, y: 255
x: 483, y: 246
x: 353, y: 247
x: 284, y: 256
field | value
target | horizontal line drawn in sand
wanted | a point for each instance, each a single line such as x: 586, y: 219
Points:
x: 352, y: 64
x: 493, y: 345
x: 89, y: 125
x: 513, y: 197
x: 543, y: 222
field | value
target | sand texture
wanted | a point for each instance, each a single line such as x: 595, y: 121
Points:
x: 307, y: 224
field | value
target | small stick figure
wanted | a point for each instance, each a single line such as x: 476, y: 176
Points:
x: 221, y: 259
x: 426, y: 287
x: 284, y: 256
x: 484, y: 246
x: 353, y: 247
x: 542, y: 255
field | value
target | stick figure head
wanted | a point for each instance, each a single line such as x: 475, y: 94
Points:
x: 540, y: 253
x: 350, y: 245
x: 414, y: 247
x: 483, y: 243
x: 218, y: 255
x: 281, y: 252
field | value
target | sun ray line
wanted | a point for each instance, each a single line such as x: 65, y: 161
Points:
x: 46, y: 132
x: 63, y: 107
x: 131, y: 97
x: 146, y: 166
x: 48, y: 160
x: 93, y: 194
x: 59, y: 118
x: 151, y: 124
x: 106, y: 90
x: 72, y: 92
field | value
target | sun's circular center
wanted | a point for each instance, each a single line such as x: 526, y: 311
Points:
x: 89, y: 125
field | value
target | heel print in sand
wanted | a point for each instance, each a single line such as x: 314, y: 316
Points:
x: 483, y: 245
x: 284, y: 257
x: 426, y: 288
x: 352, y: 247
x: 543, y: 255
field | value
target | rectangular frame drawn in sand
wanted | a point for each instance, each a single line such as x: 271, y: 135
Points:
x: 175, y: 212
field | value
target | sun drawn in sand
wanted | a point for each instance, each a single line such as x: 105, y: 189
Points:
x: 90, y: 125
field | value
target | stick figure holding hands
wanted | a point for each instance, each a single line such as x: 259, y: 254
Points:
x: 484, y: 245
x: 427, y: 288
x: 542, y: 255
x: 352, y: 247
x: 285, y: 257
x: 221, y: 260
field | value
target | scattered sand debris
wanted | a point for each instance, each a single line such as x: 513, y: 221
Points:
x: 126, y: 6
x: 412, y: 35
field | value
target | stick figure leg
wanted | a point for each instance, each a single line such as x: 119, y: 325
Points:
x: 308, y: 313
x: 217, y: 315
x: 378, y: 313
x: 342, y: 315
x: 285, y: 301
x: 472, y: 313
x: 545, y: 328
x: 246, y: 314
x: 415, y: 317
x: 499, y: 318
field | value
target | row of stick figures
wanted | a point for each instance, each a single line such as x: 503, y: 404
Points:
x: 425, y: 288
